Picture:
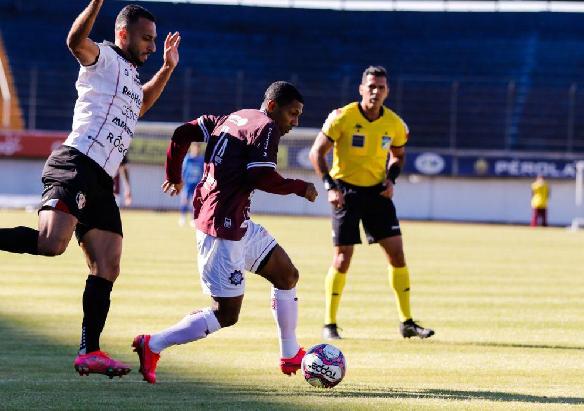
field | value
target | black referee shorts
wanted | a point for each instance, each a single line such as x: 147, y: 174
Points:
x: 364, y: 204
x: 77, y: 185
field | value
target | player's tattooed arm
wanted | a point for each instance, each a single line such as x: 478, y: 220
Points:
x: 78, y: 41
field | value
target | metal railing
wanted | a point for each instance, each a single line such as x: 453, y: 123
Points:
x: 461, y: 113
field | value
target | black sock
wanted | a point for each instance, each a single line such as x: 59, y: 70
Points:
x: 96, y: 303
x: 19, y: 240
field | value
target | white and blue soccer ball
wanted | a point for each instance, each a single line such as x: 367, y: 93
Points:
x: 324, y: 366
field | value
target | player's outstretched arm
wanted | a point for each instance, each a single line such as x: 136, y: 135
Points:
x: 269, y: 180
x: 78, y: 41
x: 153, y: 88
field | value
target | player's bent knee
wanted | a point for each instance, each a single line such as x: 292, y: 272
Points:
x: 226, y: 319
x: 52, y: 248
x: 110, y: 270
x: 289, y: 279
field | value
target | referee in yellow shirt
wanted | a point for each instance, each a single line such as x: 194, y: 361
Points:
x: 368, y: 142
x: 540, y: 193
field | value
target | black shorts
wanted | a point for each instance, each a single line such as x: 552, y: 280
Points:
x: 364, y: 204
x: 77, y: 185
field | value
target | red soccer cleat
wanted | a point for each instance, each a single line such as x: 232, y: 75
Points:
x: 148, y: 359
x: 99, y: 362
x: 289, y: 366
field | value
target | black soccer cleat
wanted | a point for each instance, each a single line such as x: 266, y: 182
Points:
x: 330, y: 332
x: 410, y: 329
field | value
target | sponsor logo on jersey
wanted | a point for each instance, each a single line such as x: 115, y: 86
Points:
x: 267, y: 143
x: 133, y: 95
x: 358, y: 140
x: 236, y: 277
x: 227, y: 222
x: 116, y: 141
x: 80, y: 200
x: 122, y: 124
x: 129, y: 113
x: 96, y: 141
x: 237, y: 120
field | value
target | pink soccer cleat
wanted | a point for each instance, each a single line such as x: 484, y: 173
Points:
x: 289, y: 366
x: 148, y: 359
x: 99, y: 362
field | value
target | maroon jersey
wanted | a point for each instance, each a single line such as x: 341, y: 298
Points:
x: 237, y: 145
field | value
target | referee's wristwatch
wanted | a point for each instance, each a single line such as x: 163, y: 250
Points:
x: 328, y: 182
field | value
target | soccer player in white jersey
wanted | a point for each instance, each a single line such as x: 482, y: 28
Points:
x: 78, y: 186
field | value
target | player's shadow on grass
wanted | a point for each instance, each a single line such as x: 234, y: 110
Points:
x: 517, y: 345
x: 457, y: 395
x: 36, y: 372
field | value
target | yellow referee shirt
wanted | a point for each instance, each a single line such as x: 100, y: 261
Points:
x: 540, y: 191
x: 362, y: 146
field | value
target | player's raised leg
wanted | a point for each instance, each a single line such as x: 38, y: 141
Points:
x: 52, y: 237
x: 103, y: 250
x: 399, y: 278
x: 279, y: 270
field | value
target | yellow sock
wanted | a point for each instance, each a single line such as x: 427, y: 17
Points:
x: 333, y: 286
x: 399, y: 278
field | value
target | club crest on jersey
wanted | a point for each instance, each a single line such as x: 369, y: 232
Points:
x: 227, y: 223
x: 385, y: 142
x: 80, y: 199
x: 236, y: 277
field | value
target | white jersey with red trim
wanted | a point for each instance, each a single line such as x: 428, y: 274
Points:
x: 107, y: 108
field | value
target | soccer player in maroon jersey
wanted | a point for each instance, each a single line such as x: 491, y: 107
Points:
x: 240, y: 157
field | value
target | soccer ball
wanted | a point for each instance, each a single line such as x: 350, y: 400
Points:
x: 324, y: 366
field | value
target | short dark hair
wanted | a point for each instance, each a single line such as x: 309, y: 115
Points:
x: 377, y: 71
x: 131, y: 14
x: 283, y: 93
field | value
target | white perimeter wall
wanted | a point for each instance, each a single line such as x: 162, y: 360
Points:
x: 427, y: 198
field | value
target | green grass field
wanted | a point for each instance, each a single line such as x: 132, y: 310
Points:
x: 506, y: 303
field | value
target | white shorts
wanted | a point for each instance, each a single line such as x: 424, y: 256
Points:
x: 222, y: 263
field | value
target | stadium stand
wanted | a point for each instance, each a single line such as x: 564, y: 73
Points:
x: 464, y: 80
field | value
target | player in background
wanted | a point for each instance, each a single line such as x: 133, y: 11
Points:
x: 540, y: 193
x: 368, y: 142
x: 240, y: 157
x: 123, y: 178
x: 192, y: 171
x: 78, y: 176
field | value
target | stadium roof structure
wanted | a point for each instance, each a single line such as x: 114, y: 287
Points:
x: 512, y: 6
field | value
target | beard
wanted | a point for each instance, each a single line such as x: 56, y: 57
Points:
x: 135, y: 57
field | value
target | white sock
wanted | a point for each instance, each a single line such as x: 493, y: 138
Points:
x: 191, y: 328
x: 285, y: 310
